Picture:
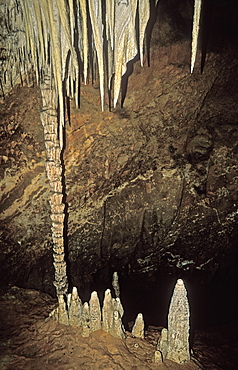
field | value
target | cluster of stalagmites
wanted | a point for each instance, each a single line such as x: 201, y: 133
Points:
x: 173, y: 343
x: 89, y: 316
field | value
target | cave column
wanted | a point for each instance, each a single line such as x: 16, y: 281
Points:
x: 49, y: 121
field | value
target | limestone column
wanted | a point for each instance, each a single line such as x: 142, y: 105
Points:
x: 54, y: 173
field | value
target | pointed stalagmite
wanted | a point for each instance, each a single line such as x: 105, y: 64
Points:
x: 95, y: 312
x: 163, y: 343
x: 85, y: 320
x: 177, y: 348
x: 62, y: 311
x: 138, y: 328
x: 107, y: 311
x: 117, y: 306
x: 117, y: 329
x: 75, y: 309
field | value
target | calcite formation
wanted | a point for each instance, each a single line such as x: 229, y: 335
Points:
x: 139, y: 326
x: 174, y: 342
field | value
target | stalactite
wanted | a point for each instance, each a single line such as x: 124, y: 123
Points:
x: 144, y: 14
x: 83, y: 9
x: 95, y: 9
x: 195, y: 32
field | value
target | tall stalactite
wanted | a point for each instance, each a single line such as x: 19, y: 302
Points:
x: 51, y: 37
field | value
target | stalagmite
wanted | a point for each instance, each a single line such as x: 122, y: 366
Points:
x: 195, y: 32
x: 117, y: 306
x: 112, y: 313
x: 62, y: 311
x: 163, y: 343
x: 158, y: 357
x: 75, y: 309
x: 107, y: 311
x: 138, y: 328
x: 95, y: 312
x: 115, y: 284
x: 85, y: 320
x: 176, y: 346
x: 117, y: 330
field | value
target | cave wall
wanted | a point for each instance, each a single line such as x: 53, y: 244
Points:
x: 150, y: 188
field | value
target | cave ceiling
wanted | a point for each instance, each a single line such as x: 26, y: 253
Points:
x: 149, y: 186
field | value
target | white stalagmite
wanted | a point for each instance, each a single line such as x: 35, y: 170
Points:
x: 95, y: 312
x: 138, y: 328
x: 62, y: 311
x: 107, y: 311
x: 112, y: 313
x: 195, y: 32
x: 117, y: 329
x: 85, y: 320
x: 75, y: 309
x: 174, y: 342
x: 163, y: 343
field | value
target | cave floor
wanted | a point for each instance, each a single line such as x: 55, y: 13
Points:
x: 29, y: 341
